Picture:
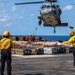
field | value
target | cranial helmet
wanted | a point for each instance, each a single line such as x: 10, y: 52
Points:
x: 6, y: 33
x: 71, y: 33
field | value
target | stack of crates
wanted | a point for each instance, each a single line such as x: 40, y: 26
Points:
x: 51, y: 50
x: 40, y: 51
x: 47, y: 50
x: 26, y: 51
x: 33, y: 51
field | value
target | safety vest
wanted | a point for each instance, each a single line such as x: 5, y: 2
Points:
x: 6, y: 44
x: 71, y: 41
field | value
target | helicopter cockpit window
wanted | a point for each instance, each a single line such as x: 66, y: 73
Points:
x: 54, y: 9
x: 53, y: 6
x: 48, y: 9
x: 48, y: 6
x: 43, y: 6
x: 59, y: 9
x: 58, y: 6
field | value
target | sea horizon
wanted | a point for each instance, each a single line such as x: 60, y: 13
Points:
x: 50, y: 37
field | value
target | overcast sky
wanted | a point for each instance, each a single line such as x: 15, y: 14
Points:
x: 23, y: 19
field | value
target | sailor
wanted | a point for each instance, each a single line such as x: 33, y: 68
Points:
x: 27, y: 38
x: 30, y: 38
x: 5, y: 47
x: 71, y: 41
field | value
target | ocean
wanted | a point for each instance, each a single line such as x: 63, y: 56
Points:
x: 55, y: 38
x: 49, y: 37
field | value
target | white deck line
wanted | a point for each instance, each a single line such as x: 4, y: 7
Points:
x: 41, y: 56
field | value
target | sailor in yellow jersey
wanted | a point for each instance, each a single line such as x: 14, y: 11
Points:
x: 71, y: 41
x: 5, y: 47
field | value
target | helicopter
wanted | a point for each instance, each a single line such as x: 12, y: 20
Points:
x: 50, y: 14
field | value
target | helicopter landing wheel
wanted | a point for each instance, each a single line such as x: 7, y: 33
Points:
x: 40, y: 22
x: 54, y: 30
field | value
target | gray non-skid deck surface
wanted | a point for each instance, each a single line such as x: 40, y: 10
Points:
x: 59, y: 64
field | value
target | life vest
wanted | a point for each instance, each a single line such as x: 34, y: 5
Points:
x: 27, y: 38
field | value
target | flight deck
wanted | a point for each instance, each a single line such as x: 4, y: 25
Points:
x: 58, y: 64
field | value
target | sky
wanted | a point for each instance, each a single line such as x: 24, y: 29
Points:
x: 23, y: 19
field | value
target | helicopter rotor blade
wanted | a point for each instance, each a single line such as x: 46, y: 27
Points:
x: 29, y: 3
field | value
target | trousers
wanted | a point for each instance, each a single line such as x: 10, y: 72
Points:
x: 73, y: 51
x: 6, y: 56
